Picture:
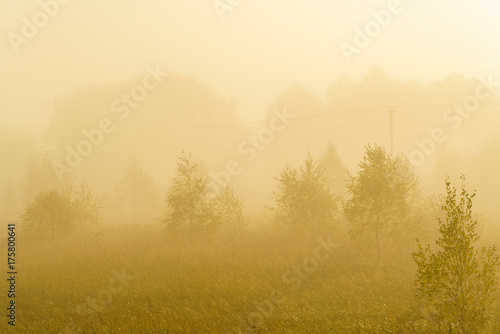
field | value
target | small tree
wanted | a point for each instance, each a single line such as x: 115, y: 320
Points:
x: 227, y: 210
x: 187, y: 202
x: 61, y: 211
x: 286, y: 212
x: 303, y: 201
x: 380, y: 196
x: 457, y: 280
x: 50, y: 214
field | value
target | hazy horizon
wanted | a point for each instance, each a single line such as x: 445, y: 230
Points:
x: 230, y: 166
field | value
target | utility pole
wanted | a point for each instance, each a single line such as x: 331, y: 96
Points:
x: 391, y: 110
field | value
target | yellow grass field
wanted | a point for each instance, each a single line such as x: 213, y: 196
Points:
x: 245, y: 284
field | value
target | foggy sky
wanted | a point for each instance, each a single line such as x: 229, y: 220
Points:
x: 259, y: 48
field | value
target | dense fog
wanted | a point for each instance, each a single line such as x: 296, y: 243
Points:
x: 206, y: 147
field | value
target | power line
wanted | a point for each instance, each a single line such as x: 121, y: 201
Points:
x: 237, y: 124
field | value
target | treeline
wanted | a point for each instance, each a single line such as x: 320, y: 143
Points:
x: 383, y: 203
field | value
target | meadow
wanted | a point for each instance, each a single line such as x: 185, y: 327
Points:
x: 138, y: 280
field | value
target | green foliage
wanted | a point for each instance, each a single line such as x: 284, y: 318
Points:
x: 191, y: 208
x: 458, y: 281
x: 59, y: 212
x: 303, y: 201
x: 187, y: 200
x: 50, y: 214
x: 380, y: 196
